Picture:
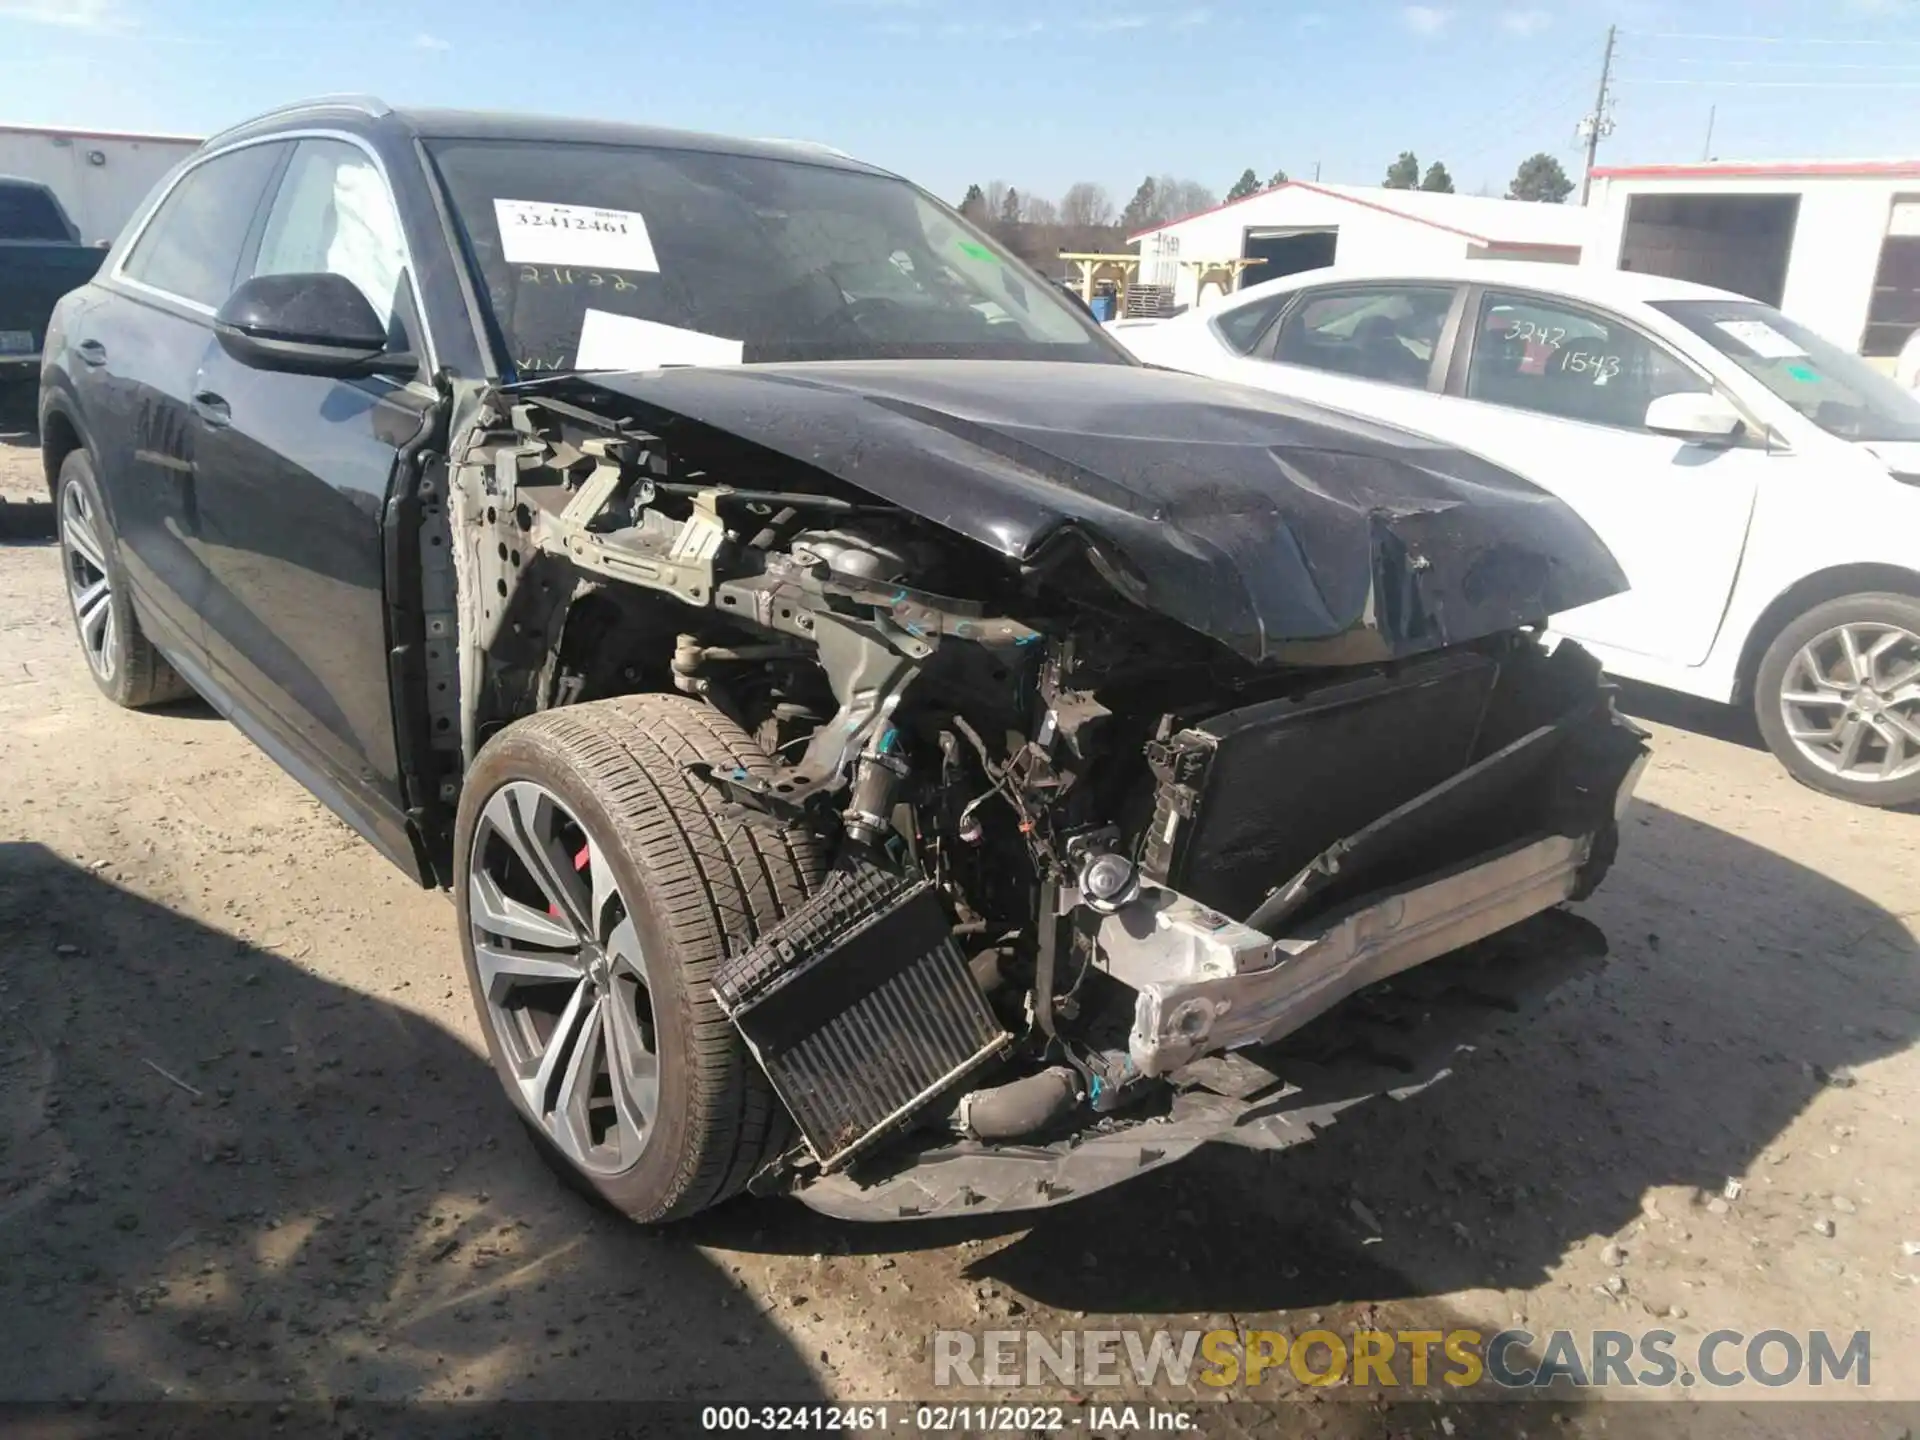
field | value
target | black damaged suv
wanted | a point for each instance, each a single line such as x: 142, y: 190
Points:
x: 883, y: 744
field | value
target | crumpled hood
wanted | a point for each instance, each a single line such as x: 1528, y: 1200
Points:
x: 1260, y: 521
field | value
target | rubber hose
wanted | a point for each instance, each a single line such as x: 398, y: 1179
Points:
x: 1008, y: 1112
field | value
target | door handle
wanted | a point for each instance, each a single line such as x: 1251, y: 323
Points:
x: 212, y: 409
x: 92, y: 352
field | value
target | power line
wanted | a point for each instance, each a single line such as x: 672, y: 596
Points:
x: 1529, y: 114
x: 1783, y: 64
x: 1533, y: 121
x: 1761, y: 39
x: 1529, y: 103
x: 1779, y: 84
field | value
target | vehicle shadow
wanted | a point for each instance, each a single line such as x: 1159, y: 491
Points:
x: 1739, y: 985
x: 25, y: 521
x: 1732, y: 723
x: 222, y: 1176
x: 25, y: 514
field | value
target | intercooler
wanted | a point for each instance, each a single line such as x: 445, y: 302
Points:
x: 859, y: 1008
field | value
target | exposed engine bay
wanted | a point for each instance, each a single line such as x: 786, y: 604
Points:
x: 1092, y: 860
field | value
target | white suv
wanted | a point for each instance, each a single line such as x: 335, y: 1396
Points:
x: 1759, y: 485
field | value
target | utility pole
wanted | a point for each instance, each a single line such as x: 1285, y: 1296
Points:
x: 1706, y: 151
x: 1599, y: 123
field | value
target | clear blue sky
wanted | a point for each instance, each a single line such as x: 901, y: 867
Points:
x: 1039, y: 95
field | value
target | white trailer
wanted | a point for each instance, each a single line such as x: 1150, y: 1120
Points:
x: 100, y: 176
x: 1833, y: 243
x: 1303, y: 225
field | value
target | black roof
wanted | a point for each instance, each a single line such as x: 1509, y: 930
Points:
x: 501, y: 125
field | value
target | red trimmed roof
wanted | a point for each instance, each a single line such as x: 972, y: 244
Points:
x: 1211, y: 210
x: 1351, y: 199
x: 1783, y: 170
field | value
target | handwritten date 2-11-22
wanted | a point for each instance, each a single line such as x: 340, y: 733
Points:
x: 568, y: 275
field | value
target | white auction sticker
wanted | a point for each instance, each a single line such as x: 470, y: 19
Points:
x: 1761, y: 338
x: 623, y: 342
x: 534, y: 232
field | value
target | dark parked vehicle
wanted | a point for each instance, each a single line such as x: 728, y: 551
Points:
x: 883, y: 743
x: 41, y: 259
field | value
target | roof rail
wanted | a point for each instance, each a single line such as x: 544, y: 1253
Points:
x: 371, y: 105
x: 805, y: 145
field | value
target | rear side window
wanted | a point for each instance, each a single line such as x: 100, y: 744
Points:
x: 27, y: 212
x: 1382, y: 332
x: 192, y: 245
x: 1536, y: 354
x: 1243, y: 326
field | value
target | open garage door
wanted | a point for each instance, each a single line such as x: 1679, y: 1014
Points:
x: 1734, y: 242
x: 1286, y: 252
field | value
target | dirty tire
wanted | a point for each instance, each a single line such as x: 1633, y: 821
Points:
x: 1883, y: 608
x: 700, y: 883
x: 140, y: 675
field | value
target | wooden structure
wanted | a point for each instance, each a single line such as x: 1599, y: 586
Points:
x: 1091, y: 268
x: 1224, y: 273
x: 1094, y: 268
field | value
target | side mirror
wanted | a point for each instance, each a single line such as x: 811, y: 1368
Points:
x: 318, y: 324
x: 1704, y: 419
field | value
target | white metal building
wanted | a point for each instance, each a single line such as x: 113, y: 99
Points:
x: 100, y: 176
x: 1834, y: 244
x: 1302, y: 225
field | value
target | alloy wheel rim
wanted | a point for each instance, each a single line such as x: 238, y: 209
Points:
x: 88, y: 586
x: 563, y: 977
x: 1850, y: 700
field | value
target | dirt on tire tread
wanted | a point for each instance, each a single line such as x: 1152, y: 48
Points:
x: 720, y: 879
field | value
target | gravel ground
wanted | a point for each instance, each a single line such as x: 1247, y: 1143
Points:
x: 250, y: 1147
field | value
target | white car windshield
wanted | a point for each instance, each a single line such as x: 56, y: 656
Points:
x: 1836, y: 390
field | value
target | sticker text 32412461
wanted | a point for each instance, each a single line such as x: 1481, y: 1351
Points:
x: 535, y: 232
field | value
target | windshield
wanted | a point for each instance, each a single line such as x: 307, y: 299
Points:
x: 602, y: 257
x: 1836, y: 390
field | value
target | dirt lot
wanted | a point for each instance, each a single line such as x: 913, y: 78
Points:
x: 249, y: 1147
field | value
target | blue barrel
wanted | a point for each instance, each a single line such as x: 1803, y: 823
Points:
x: 1102, y: 308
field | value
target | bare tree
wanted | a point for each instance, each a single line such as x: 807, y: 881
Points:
x: 1086, y: 204
x: 997, y: 197
x: 1038, y: 210
x: 1179, y: 198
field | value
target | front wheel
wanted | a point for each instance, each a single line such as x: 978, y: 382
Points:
x: 598, y: 887
x: 1837, y: 696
